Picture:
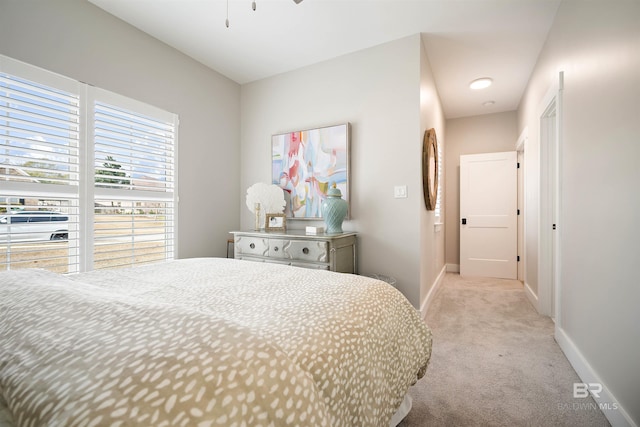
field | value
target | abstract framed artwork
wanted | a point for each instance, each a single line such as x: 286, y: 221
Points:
x: 306, y: 163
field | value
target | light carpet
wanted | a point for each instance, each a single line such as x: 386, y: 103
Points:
x: 495, y: 363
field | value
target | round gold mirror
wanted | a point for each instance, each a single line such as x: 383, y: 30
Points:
x: 430, y: 168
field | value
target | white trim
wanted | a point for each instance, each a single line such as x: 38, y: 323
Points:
x: 545, y: 214
x: 37, y: 74
x: 531, y: 296
x: 453, y: 268
x: 86, y: 187
x: 36, y: 189
x: 522, y: 139
x: 558, y: 203
x: 176, y: 198
x: 432, y: 292
x: 549, y: 107
x: 617, y: 417
x: 521, y: 147
x: 121, y: 101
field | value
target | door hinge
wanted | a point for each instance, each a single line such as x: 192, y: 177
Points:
x: 518, y: 165
x: 518, y: 258
x: 554, y: 226
x: 518, y: 211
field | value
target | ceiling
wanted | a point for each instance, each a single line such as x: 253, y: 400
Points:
x: 464, y: 39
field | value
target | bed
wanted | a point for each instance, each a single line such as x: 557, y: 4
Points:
x: 206, y: 342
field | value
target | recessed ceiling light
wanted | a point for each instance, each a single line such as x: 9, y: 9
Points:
x: 488, y: 103
x: 481, y: 83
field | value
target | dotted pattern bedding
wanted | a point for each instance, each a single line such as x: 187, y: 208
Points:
x: 205, y: 342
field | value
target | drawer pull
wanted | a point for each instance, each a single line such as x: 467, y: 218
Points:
x: 252, y: 245
x: 305, y: 251
x: 275, y: 249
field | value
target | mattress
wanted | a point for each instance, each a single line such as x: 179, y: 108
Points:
x: 203, y: 342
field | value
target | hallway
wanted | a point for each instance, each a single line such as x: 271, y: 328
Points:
x: 495, y: 363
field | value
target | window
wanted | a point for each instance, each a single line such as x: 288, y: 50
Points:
x: 39, y: 169
x: 58, y: 209
x: 134, y: 184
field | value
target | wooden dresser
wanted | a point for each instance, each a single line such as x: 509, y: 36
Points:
x: 335, y: 252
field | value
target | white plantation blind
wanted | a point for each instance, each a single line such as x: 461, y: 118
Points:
x: 133, y: 151
x: 39, y: 127
x: 87, y: 177
x: 39, y: 231
x: 129, y: 232
x: 134, y: 175
x: 39, y: 172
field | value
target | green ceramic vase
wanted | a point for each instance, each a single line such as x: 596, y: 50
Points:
x: 334, y: 210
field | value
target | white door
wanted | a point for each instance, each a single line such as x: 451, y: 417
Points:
x: 488, y: 215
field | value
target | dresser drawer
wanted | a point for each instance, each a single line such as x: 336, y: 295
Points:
x: 246, y: 245
x: 335, y: 252
x: 308, y: 250
x: 276, y: 248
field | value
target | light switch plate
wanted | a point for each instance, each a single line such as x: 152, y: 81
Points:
x: 400, y: 191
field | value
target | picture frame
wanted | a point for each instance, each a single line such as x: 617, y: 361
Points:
x: 275, y: 222
x: 307, y: 163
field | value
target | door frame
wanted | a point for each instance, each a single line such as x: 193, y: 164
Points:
x: 549, y: 208
x: 521, y: 147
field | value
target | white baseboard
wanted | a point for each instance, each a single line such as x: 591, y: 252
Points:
x: 533, y: 298
x: 432, y: 292
x: 453, y: 268
x: 607, y: 402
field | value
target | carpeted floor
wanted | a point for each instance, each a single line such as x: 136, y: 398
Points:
x: 495, y: 363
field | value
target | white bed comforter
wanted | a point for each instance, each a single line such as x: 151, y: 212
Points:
x: 203, y: 342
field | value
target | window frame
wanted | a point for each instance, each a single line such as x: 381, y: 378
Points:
x: 85, y: 191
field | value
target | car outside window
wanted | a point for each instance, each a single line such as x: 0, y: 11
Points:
x: 34, y: 226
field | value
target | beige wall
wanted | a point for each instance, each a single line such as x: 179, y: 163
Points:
x: 597, y: 45
x: 78, y: 40
x: 489, y: 133
x: 432, y: 230
x: 377, y: 90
